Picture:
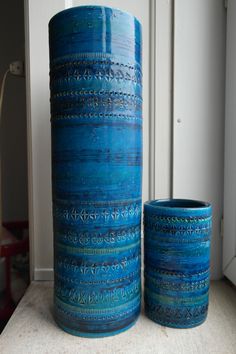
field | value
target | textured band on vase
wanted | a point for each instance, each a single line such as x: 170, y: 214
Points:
x: 96, y: 119
x: 177, y: 258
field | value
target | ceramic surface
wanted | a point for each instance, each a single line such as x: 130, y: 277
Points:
x: 96, y: 116
x: 177, y: 259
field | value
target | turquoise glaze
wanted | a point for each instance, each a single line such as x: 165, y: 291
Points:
x: 96, y: 116
x: 177, y: 258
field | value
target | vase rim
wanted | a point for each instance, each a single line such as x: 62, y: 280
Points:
x: 178, y: 204
x: 96, y: 6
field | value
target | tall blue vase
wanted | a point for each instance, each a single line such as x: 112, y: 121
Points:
x: 177, y: 258
x: 96, y: 116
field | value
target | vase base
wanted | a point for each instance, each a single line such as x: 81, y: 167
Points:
x: 178, y: 326
x: 95, y: 335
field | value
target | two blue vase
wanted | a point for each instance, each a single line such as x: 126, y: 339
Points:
x: 96, y: 119
x: 177, y: 261
x: 96, y: 116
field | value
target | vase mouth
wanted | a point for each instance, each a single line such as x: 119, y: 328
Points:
x: 91, y: 7
x: 178, y: 204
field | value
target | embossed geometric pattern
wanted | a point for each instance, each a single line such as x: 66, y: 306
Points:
x: 96, y: 118
x: 177, y: 245
x: 102, y: 215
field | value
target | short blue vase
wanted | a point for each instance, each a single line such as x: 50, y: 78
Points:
x: 177, y: 258
x: 96, y: 116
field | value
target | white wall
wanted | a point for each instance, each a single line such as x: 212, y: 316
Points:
x: 37, y: 15
x: 161, y: 149
x: 229, y: 241
x: 13, y: 125
x: 198, y: 120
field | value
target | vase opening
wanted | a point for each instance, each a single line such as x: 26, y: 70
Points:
x: 179, y: 203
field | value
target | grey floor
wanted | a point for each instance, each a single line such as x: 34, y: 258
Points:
x: 32, y: 330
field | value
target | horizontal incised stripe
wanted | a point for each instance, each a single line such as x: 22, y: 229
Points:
x: 94, y: 251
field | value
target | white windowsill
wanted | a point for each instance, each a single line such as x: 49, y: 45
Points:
x: 32, y: 330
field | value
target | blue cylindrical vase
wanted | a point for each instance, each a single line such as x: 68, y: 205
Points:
x: 96, y: 119
x: 177, y: 258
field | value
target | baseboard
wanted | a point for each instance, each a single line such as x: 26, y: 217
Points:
x: 229, y: 271
x: 43, y: 274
